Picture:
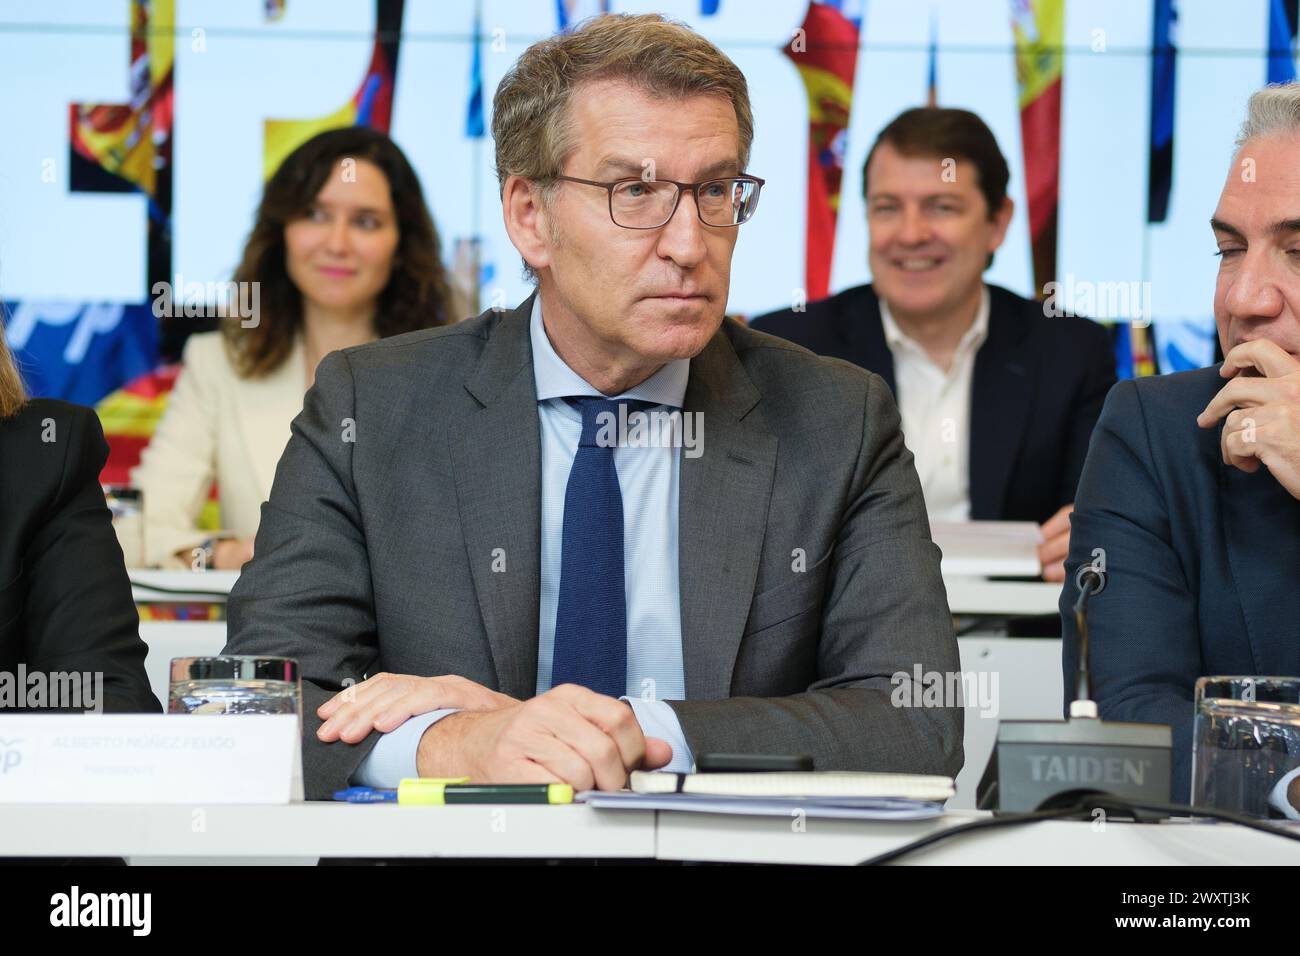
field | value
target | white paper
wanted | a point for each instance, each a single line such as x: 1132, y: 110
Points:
x: 988, y: 549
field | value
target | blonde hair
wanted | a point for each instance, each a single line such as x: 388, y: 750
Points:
x: 530, y: 112
x: 12, y: 394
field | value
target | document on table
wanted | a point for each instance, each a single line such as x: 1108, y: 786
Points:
x: 842, y: 808
x: 825, y: 785
x: 988, y: 549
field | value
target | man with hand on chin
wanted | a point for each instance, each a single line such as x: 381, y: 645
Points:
x: 1191, y: 491
x: 1259, y: 408
x: 477, y: 583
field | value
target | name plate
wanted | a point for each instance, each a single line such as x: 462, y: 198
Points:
x: 150, y: 758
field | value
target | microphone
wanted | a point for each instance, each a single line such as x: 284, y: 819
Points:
x: 1091, y: 575
x: 1047, y: 764
x: 1090, y: 580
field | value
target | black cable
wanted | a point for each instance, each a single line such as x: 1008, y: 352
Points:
x: 166, y: 590
x: 1083, y: 806
x: 987, y: 625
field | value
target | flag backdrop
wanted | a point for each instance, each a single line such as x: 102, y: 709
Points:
x: 824, y: 77
x: 1040, y: 36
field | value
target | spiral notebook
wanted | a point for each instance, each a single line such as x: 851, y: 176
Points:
x: 837, y: 808
x: 852, y: 796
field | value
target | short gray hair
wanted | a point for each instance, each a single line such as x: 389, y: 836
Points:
x: 530, y: 112
x: 1272, y: 111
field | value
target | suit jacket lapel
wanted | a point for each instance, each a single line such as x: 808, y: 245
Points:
x: 265, y: 407
x: 865, y: 332
x: 1261, y: 525
x: 722, y: 516
x: 496, y: 455
x: 1001, y: 391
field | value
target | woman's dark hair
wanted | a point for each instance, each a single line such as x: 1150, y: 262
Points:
x: 418, y: 294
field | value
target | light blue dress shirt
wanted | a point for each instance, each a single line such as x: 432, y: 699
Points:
x: 648, y: 477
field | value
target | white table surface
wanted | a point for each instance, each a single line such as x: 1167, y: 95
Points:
x: 304, y: 832
x: 301, y: 833
x: 967, y: 595
x: 988, y: 548
x: 685, y: 836
x: 211, y: 585
x: 980, y: 596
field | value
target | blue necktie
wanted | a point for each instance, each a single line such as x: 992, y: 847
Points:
x: 591, y: 620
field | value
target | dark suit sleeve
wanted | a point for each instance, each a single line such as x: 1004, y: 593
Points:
x: 306, y: 594
x: 807, y: 328
x: 885, y: 614
x: 1143, y: 635
x: 773, y: 323
x: 79, y: 614
x: 1099, y: 377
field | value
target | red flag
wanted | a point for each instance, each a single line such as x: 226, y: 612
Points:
x: 825, y: 51
x: 1039, y: 27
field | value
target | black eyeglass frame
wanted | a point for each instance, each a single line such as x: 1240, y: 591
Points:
x: 681, y: 187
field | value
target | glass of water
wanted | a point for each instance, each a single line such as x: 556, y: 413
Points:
x: 234, y: 684
x: 1246, y: 745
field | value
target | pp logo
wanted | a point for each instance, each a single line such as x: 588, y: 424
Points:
x: 11, y: 755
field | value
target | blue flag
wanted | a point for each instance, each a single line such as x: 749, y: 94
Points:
x: 1164, y: 60
x: 1281, y: 41
x: 474, y: 126
x: 80, y: 352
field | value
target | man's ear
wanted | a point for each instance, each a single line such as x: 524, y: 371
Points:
x: 1001, y: 220
x: 525, y: 220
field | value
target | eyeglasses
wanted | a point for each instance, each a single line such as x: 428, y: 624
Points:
x: 649, y: 204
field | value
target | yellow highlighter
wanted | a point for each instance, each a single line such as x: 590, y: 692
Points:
x: 429, y: 791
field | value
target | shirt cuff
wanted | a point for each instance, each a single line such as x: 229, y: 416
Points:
x: 1278, y: 796
x: 657, y: 719
x: 392, y: 759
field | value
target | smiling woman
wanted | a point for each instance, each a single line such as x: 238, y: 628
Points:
x: 343, y: 251
x: 342, y: 225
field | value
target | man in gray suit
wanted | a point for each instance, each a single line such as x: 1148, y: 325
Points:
x: 488, y: 565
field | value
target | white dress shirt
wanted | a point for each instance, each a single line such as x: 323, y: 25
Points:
x: 935, y: 408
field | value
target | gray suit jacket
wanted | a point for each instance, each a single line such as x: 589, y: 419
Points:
x: 417, y: 457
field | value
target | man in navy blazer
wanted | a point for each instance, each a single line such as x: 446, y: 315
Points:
x: 1189, y: 494
x: 998, y: 397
